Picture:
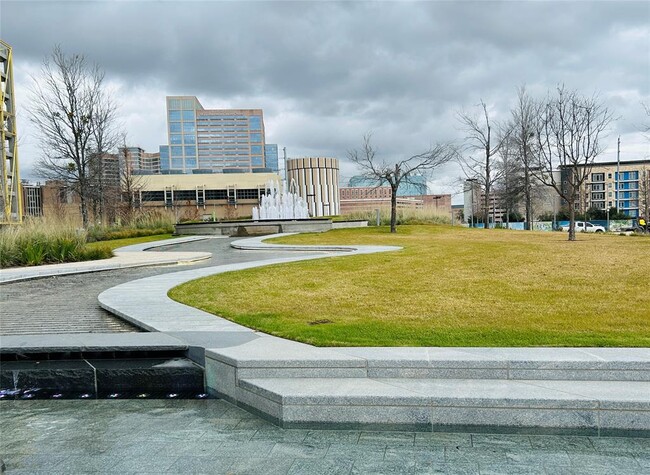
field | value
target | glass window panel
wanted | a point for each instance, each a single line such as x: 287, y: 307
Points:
x: 256, y: 149
x: 256, y: 138
x: 174, y: 126
x: 188, y: 127
x: 255, y: 122
x: 256, y: 161
x: 177, y: 151
x: 189, y: 138
x: 190, y: 163
x: 175, y: 138
x: 174, y: 115
x: 174, y: 103
x: 177, y: 163
x: 190, y: 151
x: 188, y: 115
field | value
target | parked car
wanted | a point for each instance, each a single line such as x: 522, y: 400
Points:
x: 586, y: 227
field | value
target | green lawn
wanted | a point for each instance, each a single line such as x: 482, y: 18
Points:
x: 449, y: 286
x: 115, y: 243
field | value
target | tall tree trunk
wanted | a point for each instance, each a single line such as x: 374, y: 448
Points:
x: 393, y: 208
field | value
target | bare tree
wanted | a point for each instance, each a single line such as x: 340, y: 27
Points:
x: 524, y: 116
x: 569, y: 134
x: 511, y: 184
x: 395, y: 173
x: 484, y: 138
x: 75, y: 116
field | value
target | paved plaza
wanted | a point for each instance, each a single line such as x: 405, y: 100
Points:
x: 215, y: 437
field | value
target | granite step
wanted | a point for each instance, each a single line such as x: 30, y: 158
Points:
x: 532, y: 406
x: 269, y: 357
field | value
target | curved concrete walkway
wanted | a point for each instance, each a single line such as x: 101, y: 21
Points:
x: 124, y: 257
x: 144, y: 302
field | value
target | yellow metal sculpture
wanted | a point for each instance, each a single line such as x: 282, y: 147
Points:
x: 11, y: 199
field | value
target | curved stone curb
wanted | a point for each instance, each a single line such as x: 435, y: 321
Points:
x: 125, y: 257
x: 258, y: 244
x: 144, y: 302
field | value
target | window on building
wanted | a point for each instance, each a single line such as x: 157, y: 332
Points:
x: 188, y: 115
x: 177, y: 151
x: 597, y: 177
x: 174, y: 115
x: 189, y: 138
x: 189, y: 127
x: 248, y: 194
x: 174, y: 127
x: 190, y: 151
x: 256, y: 138
x: 255, y: 122
x: 175, y: 139
x: 153, y: 196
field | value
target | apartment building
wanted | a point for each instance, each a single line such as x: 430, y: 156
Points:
x: 622, y: 185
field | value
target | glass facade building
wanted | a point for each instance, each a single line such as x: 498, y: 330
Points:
x: 271, y: 157
x: 212, y: 139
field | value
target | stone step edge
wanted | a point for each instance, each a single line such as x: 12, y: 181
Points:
x: 388, y: 408
x: 325, y: 391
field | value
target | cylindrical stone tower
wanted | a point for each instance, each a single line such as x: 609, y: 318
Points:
x: 316, y: 180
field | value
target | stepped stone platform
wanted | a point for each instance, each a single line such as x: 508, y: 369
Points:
x: 596, y: 391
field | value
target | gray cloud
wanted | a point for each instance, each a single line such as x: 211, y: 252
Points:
x: 327, y: 72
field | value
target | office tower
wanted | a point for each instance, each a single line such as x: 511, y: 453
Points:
x: 211, y: 140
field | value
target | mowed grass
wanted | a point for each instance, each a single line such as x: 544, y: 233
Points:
x: 116, y: 243
x: 449, y: 286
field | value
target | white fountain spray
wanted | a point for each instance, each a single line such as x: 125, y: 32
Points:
x: 279, y: 203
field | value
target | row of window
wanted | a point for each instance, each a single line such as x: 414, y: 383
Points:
x: 223, y: 141
x: 222, y: 117
x: 622, y: 195
x: 625, y: 176
x: 220, y: 130
x: 177, y: 127
x: 191, y: 195
x: 181, y: 115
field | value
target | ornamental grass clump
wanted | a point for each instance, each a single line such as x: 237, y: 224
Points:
x: 404, y: 216
x: 147, y: 224
x: 38, y: 242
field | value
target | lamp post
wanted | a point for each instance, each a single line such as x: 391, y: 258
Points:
x: 607, y: 211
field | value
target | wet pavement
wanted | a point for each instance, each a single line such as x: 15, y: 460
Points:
x: 213, y: 436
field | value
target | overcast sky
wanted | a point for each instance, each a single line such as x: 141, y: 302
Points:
x: 325, y: 73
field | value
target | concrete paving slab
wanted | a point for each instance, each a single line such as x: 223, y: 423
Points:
x: 87, y: 342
